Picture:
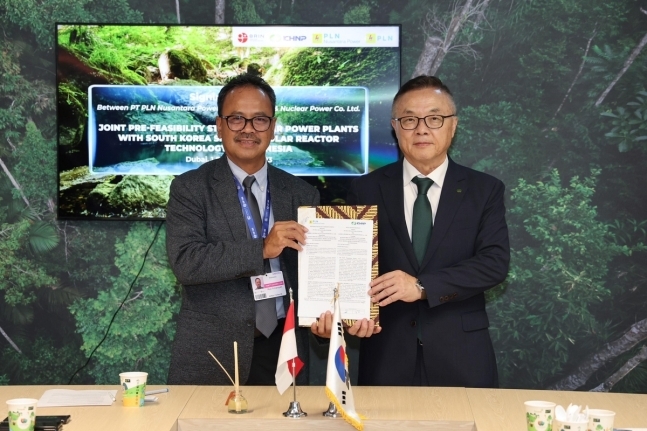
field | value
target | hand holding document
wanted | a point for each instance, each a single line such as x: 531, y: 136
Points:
x: 341, y: 250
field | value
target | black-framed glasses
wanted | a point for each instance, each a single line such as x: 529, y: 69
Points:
x: 236, y: 123
x: 434, y: 121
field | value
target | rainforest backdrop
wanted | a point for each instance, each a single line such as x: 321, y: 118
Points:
x: 552, y: 99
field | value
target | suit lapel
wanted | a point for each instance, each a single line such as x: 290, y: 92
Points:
x: 451, y: 196
x: 392, y: 189
x: 281, y: 198
x: 282, y: 211
x: 224, y: 191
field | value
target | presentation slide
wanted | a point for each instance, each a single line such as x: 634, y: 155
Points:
x: 145, y: 130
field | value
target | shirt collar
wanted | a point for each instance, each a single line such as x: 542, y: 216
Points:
x: 261, y: 175
x: 437, y: 175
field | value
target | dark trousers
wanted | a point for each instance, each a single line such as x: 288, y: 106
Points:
x: 420, y: 374
x: 265, y: 357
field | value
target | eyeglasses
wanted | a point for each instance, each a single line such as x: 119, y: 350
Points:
x: 432, y: 121
x: 236, y: 123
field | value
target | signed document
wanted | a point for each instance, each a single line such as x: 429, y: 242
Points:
x: 341, y: 251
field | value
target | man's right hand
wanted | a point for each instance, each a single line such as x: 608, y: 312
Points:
x: 283, y: 234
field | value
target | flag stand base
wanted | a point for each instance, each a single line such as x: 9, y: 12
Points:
x: 332, y: 411
x: 294, y: 411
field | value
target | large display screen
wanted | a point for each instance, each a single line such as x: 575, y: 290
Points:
x: 137, y: 105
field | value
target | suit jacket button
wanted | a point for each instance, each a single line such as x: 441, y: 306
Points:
x: 413, y: 323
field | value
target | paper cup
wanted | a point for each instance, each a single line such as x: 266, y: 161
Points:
x: 22, y: 414
x: 600, y: 420
x: 134, y: 385
x: 539, y: 415
x: 569, y: 426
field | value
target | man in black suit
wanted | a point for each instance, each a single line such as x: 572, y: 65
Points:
x: 219, y: 237
x: 443, y: 241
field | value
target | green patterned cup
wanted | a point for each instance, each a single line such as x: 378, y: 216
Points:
x: 539, y: 415
x: 22, y: 414
x: 601, y: 420
x: 134, y: 386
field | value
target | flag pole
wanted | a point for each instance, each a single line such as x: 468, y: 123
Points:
x: 294, y: 379
x: 294, y: 409
x: 294, y: 383
x: 332, y: 411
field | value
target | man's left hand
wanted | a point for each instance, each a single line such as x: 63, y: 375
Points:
x: 394, y: 286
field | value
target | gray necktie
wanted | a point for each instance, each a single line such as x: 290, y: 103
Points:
x: 265, y: 308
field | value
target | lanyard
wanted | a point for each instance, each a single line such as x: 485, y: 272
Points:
x: 248, y: 215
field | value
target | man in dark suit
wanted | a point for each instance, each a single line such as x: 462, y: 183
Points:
x: 443, y: 241
x: 219, y: 236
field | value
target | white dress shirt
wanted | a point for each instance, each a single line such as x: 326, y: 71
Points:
x: 411, y: 190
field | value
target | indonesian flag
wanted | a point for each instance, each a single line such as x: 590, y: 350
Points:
x: 289, y: 363
x: 338, y: 387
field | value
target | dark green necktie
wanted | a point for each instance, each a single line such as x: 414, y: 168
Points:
x: 421, y: 222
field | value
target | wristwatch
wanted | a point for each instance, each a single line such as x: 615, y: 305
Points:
x: 419, y: 285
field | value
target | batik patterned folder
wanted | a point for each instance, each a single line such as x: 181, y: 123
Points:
x: 355, y: 212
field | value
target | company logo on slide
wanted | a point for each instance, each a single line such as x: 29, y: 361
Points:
x: 294, y: 38
x: 371, y: 38
x: 317, y: 38
x: 242, y: 37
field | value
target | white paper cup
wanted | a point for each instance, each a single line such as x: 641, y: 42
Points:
x: 569, y: 425
x: 22, y: 414
x: 134, y: 388
x: 601, y: 420
x: 539, y: 415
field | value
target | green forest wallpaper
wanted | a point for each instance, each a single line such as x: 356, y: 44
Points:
x: 552, y: 99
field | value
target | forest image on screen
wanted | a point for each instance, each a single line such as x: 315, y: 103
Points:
x: 137, y: 106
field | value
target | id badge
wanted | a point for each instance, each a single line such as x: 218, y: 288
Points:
x: 268, y: 286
